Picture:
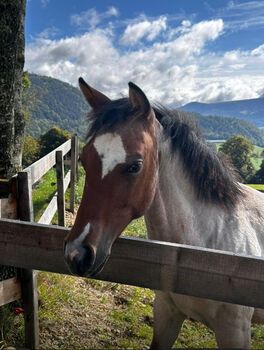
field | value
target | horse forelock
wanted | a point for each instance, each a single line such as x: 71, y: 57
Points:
x: 110, y: 116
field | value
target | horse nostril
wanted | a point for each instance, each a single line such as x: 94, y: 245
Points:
x: 82, y: 259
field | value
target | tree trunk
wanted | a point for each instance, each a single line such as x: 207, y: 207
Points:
x: 12, y: 122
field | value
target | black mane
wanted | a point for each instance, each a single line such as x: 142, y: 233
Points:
x: 212, y: 176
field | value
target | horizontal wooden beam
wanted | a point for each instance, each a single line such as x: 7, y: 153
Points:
x: 67, y: 180
x: 49, y: 212
x: 194, y: 271
x: 41, y: 166
x: 10, y: 290
x: 51, y: 209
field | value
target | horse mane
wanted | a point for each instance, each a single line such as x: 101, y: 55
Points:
x: 212, y: 175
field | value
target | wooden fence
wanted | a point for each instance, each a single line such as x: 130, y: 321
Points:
x: 200, y: 272
x: 183, y: 269
x: 19, y: 189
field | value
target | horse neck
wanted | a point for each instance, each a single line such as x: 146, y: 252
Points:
x: 176, y: 214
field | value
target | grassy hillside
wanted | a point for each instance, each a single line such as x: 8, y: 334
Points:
x: 60, y: 104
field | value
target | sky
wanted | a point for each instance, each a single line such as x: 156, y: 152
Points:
x: 176, y: 51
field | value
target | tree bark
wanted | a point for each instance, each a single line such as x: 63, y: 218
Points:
x: 12, y: 121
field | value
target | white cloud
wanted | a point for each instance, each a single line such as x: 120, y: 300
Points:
x: 243, y: 14
x: 44, y: 3
x: 91, y: 18
x: 173, y: 71
x: 134, y: 32
x: 49, y: 32
x: 258, y: 51
x: 112, y: 11
x: 193, y: 41
x: 245, y: 6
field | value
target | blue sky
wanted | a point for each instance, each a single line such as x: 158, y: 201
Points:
x: 176, y: 51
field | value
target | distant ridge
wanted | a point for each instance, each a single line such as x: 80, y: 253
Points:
x: 221, y: 128
x: 61, y: 104
x: 251, y: 109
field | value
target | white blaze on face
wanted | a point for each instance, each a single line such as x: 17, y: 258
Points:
x: 111, y: 151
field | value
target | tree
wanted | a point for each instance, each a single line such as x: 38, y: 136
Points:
x: 258, y: 177
x: 12, y: 121
x: 239, y: 149
x: 52, y: 139
x: 28, y: 97
x: 30, y: 151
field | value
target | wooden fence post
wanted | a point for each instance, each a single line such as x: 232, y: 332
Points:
x: 73, y: 172
x: 29, y: 277
x: 77, y: 157
x: 60, y: 188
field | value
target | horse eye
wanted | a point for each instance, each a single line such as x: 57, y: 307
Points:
x: 134, y: 168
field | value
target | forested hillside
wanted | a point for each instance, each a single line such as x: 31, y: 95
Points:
x: 215, y: 127
x: 60, y: 104
x: 56, y: 104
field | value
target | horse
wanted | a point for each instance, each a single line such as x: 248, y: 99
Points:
x: 148, y: 160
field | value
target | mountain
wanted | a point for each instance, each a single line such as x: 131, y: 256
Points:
x: 60, y: 104
x: 221, y: 128
x: 56, y: 104
x: 251, y: 110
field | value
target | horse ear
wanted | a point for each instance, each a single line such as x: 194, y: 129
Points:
x: 138, y: 99
x: 95, y: 98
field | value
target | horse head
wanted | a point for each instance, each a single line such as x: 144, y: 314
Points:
x: 120, y: 160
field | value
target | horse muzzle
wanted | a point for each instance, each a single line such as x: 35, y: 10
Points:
x: 83, y: 259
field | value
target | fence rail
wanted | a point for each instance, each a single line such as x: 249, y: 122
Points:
x: 10, y: 290
x: 18, y: 190
x: 41, y: 166
x: 182, y: 269
x: 51, y: 209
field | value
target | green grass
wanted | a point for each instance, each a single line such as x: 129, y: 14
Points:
x: 78, y: 188
x: 257, y: 187
x: 136, y: 228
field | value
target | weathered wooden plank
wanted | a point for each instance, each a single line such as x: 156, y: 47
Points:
x: 199, y: 272
x: 60, y: 188
x: 25, y: 204
x: 67, y: 180
x: 40, y: 167
x: 28, y: 276
x: 10, y: 290
x: 51, y: 209
x: 73, y: 172
x: 77, y: 157
x: 49, y: 212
